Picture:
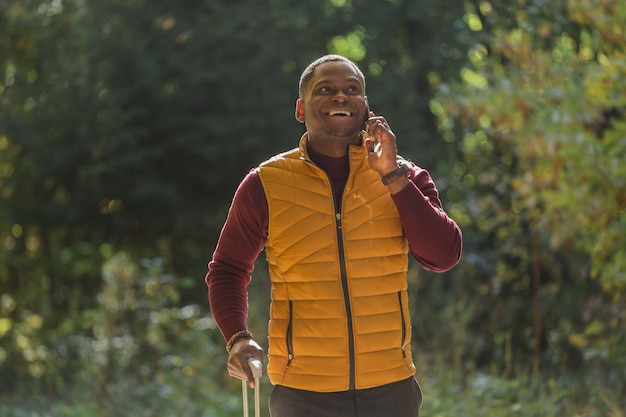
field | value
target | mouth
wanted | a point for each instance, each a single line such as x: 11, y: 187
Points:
x: 339, y: 113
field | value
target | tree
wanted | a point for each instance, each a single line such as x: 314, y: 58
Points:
x: 126, y: 126
x: 542, y: 120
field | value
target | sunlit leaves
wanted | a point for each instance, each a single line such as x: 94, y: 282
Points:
x: 350, y: 45
x: 602, y: 84
x: 605, y: 18
x: 477, y: 55
x: 551, y: 109
x: 340, y: 3
x: 473, y: 79
x: 473, y: 22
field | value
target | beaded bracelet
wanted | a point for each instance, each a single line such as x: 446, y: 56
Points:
x: 234, y: 338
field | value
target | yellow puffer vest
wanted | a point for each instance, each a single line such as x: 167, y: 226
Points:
x: 339, y: 316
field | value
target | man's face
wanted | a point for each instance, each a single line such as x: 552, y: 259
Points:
x: 333, y: 102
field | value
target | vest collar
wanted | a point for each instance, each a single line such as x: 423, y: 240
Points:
x: 357, y: 153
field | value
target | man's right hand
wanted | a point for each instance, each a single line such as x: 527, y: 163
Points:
x: 243, y: 350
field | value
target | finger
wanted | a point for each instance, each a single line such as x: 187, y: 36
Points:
x: 378, y: 130
x: 368, y: 144
x: 242, y: 371
x: 238, y: 366
x: 383, y: 123
x: 243, y: 362
x: 371, y: 122
x: 377, y: 125
x: 372, y: 145
x: 236, y: 372
x: 370, y: 119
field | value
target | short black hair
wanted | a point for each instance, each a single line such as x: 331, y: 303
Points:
x: 307, y: 74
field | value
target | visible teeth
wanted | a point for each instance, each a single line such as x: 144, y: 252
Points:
x: 339, y: 113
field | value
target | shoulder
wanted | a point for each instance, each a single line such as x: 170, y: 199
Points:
x: 250, y: 188
x: 293, y: 154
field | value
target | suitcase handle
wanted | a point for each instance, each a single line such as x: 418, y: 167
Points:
x: 257, y: 371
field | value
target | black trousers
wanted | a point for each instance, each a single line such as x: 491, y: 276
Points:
x: 399, y: 399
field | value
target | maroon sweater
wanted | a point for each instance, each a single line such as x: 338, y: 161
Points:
x: 435, y: 239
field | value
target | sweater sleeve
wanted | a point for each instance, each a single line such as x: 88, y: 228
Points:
x: 434, y: 238
x: 241, y: 241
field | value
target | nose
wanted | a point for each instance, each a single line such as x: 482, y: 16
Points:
x: 339, y: 96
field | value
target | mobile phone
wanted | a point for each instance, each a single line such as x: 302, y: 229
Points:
x: 373, y: 142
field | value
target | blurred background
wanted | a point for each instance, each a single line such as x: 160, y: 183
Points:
x: 126, y: 125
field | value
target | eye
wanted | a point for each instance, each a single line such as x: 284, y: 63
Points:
x: 325, y: 89
x: 354, y: 89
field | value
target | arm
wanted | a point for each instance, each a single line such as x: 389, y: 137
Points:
x: 434, y: 238
x: 240, y: 242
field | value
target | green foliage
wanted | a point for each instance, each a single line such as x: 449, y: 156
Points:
x: 137, y: 352
x: 482, y: 394
x: 541, y: 175
x: 130, y: 124
x: 126, y: 125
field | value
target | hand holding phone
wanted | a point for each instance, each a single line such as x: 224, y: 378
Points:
x: 380, y: 141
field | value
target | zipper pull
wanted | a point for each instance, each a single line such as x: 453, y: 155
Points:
x: 338, y: 218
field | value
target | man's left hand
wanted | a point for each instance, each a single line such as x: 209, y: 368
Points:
x: 381, y: 145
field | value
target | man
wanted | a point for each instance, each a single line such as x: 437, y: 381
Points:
x: 337, y: 217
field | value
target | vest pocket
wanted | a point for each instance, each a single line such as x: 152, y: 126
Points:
x: 289, y: 335
x: 403, y: 321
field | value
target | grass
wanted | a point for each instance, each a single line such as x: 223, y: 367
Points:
x: 446, y: 394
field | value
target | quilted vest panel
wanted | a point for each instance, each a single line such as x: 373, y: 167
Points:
x: 339, y: 316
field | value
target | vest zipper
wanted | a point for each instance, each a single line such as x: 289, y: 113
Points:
x: 290, y: 335
x: 346, y: 298
x: 344, y: 281
x: 402, y: 344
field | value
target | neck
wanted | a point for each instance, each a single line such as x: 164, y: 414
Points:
x: 335, y: 146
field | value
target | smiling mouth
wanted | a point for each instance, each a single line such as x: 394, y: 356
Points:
x: 339, y: 113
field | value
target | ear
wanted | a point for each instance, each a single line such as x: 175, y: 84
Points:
x: 300, y: 111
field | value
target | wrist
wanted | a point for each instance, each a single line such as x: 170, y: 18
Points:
x: 239, y: 336
x: 402, y: 170
x: 387, y: 171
